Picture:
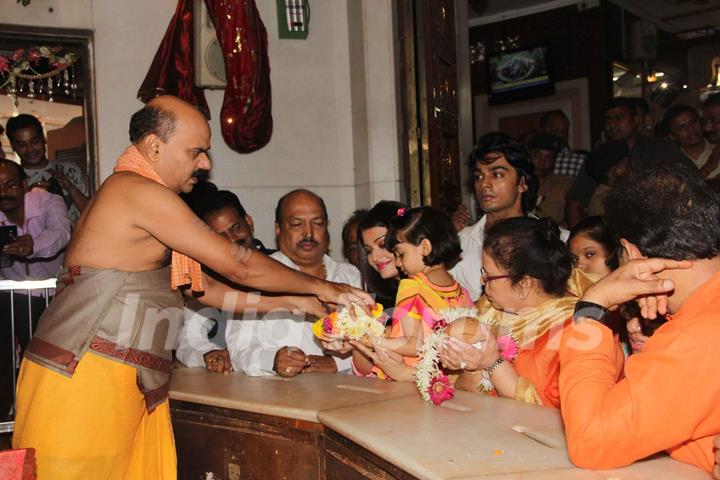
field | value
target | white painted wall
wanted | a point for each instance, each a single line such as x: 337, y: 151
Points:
x: 319, y: 85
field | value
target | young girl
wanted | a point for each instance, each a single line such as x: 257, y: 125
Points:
x: 593, y: 248
x: 425, y: 245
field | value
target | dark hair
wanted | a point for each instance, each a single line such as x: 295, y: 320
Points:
x: 278, y: 207
x: 667, y: 210
x: 352, y: 222
x: 597, y: 230
x: 420, y: 223
x: 526, y: 246
x: 601, y: 160
x: 20, y: 170
x: 199, y: 195
x: 545, y: 119
x: 24, y: 120
x: 623, y: 102
x: 712, y: 100
x: 673, y: 112
x: 631, y: 310
x: 516, y: 155
x: 216, y: 201
x: 152, y: 120
x: 378, y: 216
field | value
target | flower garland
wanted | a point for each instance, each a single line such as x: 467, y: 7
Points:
x: 434, y: 386
x: 341, y: 323
x: 31, y: 66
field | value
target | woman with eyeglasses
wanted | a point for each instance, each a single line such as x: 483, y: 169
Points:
x: 530, y: 294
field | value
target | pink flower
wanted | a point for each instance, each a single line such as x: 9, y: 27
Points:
x: 4, y: 64
x: 440, y: 389
x: 508, y: 347
x: 18, y: 54
x: 34, y: 55
x: 328, y: 325
x: 400, y: 212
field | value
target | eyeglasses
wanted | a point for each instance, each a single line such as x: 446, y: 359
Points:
x: 485, y: 278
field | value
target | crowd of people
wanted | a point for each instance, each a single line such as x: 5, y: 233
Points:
x: 593, y: 275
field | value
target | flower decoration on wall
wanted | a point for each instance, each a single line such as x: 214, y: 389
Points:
x: 38, y: 71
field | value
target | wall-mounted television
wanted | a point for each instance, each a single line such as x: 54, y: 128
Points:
x: 519, y: 75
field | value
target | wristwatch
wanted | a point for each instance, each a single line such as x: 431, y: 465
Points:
x: 591, y: 310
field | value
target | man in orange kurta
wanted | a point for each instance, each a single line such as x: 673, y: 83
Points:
x: 670, y: 395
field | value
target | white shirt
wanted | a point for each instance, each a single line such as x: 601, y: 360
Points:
x: 253, y: 343
x: 467, y: 270
x: 702, y: 159
x: 194, y: 340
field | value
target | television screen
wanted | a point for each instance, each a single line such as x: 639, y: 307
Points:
x: 518, y: 75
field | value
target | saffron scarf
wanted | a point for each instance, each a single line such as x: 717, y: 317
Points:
x: 184, y: 270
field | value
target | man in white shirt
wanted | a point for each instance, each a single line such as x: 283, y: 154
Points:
x: 282, y: 344
x: 201, y: 342
x: 505, y: 187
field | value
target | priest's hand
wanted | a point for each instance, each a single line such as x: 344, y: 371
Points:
x: 341, y: 294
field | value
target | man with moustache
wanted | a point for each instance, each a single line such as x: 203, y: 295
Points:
x: 92, y: 394
x: 201, y: 341
x: 505, y: 187
x: 224, y: 213
x: 64, y: 178
x: 278, y: 344
x: 43, y: 229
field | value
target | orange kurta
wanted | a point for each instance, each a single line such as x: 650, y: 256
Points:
x: 670, y: 396
x: 540, y: 366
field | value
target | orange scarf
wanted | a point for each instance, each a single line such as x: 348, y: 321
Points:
x: 184, y: 270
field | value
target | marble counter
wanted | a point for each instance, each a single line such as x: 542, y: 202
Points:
x: 469, y: 437
x: 301, y: 397
x: 476, y: 440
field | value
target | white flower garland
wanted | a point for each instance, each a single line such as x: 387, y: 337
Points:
x: 429, y: 365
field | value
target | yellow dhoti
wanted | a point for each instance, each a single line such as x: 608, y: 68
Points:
x: 94, y: 425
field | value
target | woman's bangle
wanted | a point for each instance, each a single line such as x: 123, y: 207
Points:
x: 493, y: 366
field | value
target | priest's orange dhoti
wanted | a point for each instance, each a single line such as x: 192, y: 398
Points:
x: 94, y: 424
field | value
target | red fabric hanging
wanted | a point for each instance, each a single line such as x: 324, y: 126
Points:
x: 172, y: 69
x: 246, y: 116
